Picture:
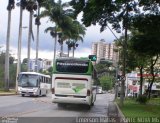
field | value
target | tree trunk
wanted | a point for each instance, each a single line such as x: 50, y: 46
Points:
x: 73, y: 50
x: 7, y: 53
x: 122, y: 94
x: 19, y: 47
x: 37, y: 43
x: 141, y: 79
x: 61, y: 51
x: 153, y: 62
x: 29, y: 39
x: 55, y: 43
x: 68, y: 51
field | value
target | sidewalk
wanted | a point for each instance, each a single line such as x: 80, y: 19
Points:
x: 114, y: 113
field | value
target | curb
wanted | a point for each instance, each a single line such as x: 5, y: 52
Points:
x: 120, y: 114
x: 7, y: 94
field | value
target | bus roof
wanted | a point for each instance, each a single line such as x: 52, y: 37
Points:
x: 34, y: 73
x: 73, y: 59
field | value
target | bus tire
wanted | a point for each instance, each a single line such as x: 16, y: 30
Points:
x: 61, y: 105
x: 92, y: 104
x: 88, y: 107
x: 22, y: 95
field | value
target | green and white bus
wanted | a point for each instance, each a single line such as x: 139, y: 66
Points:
x: 72, y: 82
x: 33, y: 84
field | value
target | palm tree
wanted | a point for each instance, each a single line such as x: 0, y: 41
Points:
x: 53, y: 32
x: 69, y: 45
x: 38, y: 23
x: 31, y: 6
x: 77, y: 34
x: 22, y: 5
x: 9, y: 8
x: 57, y: 14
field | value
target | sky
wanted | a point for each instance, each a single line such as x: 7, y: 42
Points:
x: 46, y: 42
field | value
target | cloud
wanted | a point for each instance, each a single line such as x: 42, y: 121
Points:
x: 46, y: 42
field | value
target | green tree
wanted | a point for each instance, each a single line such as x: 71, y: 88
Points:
x: 106, y: 82
x: 57, y: 14
x: 147, y: 40
x: 13, y: 77
x: 115, y: 12
x: 25, y: 61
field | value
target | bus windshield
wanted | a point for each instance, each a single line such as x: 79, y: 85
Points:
x: 72, y: 66
x: 28, y: 80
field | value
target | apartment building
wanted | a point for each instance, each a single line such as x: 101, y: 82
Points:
x: 104, y: 50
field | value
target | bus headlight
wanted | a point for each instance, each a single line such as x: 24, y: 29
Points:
x: 35, y: 90
x: 19, y: 89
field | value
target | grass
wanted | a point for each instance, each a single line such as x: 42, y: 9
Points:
x: 133, y: 109
x: 154, y: 101
x: 10, y: 91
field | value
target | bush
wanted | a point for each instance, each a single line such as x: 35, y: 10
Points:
x: 142, y: 99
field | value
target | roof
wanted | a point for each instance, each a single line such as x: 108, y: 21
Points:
x: 34, y: 73
x: 73, y: 59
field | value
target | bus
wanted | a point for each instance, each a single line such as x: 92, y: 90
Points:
x: 72, y: 82
x: 33, y: 84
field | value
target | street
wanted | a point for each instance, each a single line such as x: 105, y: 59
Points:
x: 41, y: 109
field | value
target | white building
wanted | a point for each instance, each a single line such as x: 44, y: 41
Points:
x: 43, y: 64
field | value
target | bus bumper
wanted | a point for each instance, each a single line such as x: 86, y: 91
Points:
x: 71, y: 100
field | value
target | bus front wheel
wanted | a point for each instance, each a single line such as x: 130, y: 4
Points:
x: 39, y: 93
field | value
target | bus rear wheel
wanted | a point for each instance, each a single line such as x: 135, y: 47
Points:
x: 88, y: 107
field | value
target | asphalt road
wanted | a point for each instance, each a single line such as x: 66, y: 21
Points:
x: 42, y: 110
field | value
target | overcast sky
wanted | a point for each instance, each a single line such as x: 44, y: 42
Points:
x: 46, y: 42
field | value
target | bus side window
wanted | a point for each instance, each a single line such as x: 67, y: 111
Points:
x: 40, y: 79
x: 47, y: 80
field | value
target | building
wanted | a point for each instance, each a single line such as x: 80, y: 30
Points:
x: 104, y: 50
x: 42, y: 64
